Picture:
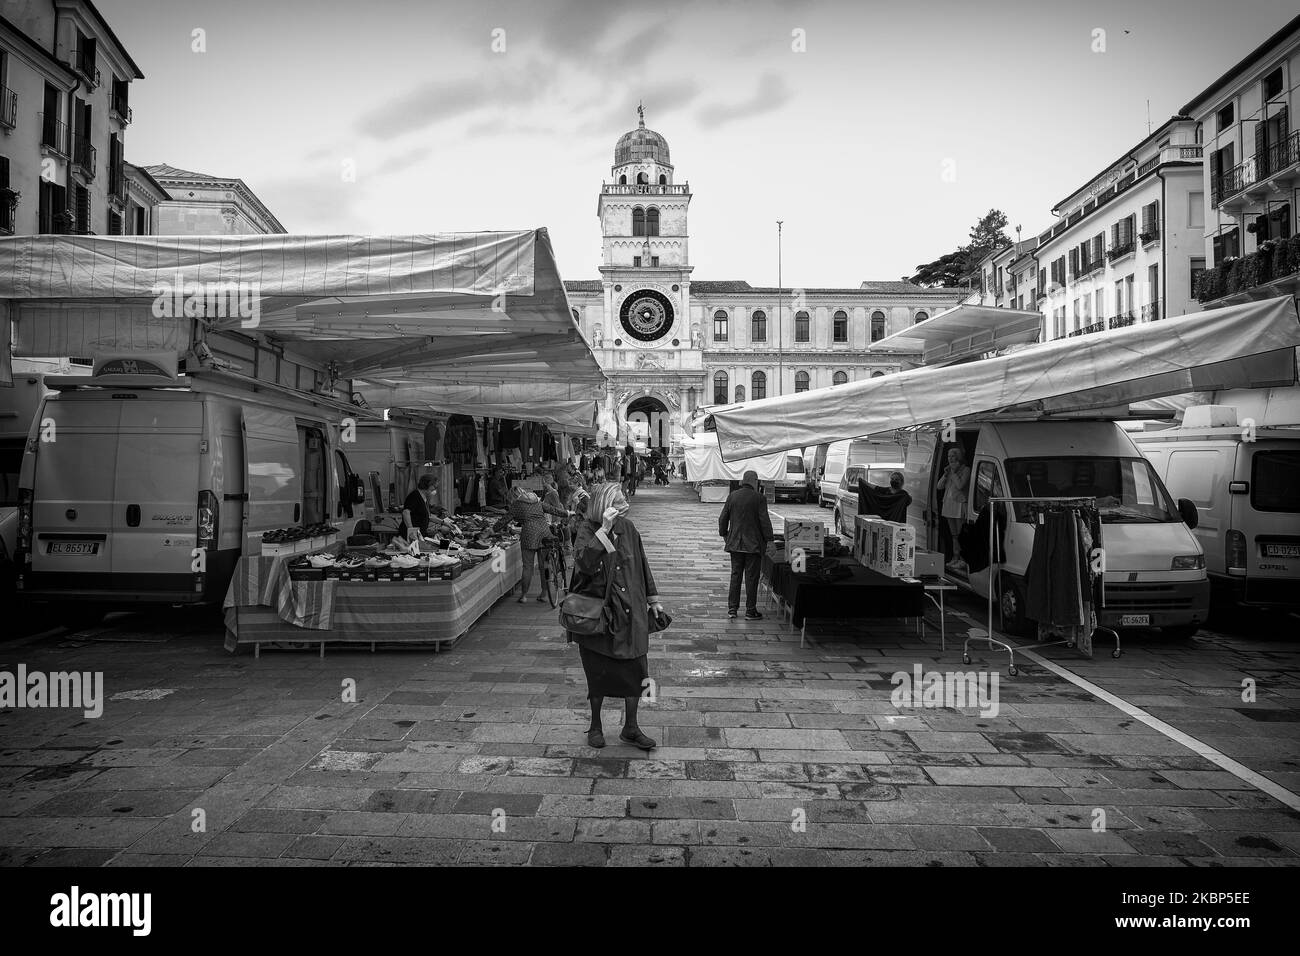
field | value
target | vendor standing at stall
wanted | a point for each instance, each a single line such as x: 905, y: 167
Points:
x: 417, y: 508
x: 954, y: 484
x: 526, y: 508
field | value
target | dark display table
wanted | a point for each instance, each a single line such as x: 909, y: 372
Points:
x: 864, y: 594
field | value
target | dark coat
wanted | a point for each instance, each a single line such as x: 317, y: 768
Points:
x: 631, y: 595
x: 883, y: 502
x: 744, y: 522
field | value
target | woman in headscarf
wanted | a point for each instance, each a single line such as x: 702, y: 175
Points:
x: 526, y: 508
x: 615, y: 663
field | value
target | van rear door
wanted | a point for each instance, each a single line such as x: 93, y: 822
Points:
x: 73, y: 491
x: 156, y: 489
x: 271, y: 463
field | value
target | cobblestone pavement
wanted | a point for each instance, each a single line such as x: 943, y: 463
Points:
x: 769, y: 754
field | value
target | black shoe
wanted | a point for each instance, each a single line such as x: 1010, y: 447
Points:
x: 753, y: 616
x: 732, y: 612
x: 637, y: 739
x: 595, y: 738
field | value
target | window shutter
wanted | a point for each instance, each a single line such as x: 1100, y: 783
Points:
x: 4, y: 172
x: 1281, y: 125
x: 1216, y: 167
x: 1074, y: 262
x: 1261, y: 150
x: 1099, y: 247
x: 1114, y: 236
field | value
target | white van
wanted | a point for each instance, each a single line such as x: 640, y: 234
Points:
x: 18, y: 406
x: 1248, y: 495
x: 795, y: 485
x: 124, y: 475
x: 841, y: 454
x: 1155, y: 568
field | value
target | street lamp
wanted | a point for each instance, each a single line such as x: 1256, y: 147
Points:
x: 779, y: 296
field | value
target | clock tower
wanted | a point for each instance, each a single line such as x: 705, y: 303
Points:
x: 645, y: 267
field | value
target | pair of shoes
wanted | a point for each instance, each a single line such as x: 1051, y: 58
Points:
x: 541, y: 597
x: 753, y: 616
x: 595, y: 738
x: 732, y: 612
x: 637, y: 739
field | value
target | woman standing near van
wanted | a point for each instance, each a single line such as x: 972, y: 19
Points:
x: 954, y: 484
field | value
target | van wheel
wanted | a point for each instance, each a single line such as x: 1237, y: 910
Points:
x: 81, y: 617
x: 1011, y: 601
x: 1184, y: 632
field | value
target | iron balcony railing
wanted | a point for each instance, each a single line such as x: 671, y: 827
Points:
x: 84, y: 63
x: 1151, y: 311
x: 54, y: 135
x: 1088, y: 329
x: 1122, y: 320
x: 1277, y: 158
x: 8, y: 108
x: 1123, y: 249
x: 649, y: 189
x: 83, y: 156
x: 123, y: 113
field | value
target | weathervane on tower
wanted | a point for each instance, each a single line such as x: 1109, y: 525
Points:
x: 640, y: 111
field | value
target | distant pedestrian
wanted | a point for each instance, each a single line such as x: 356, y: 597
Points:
x: 616, y: 663
x: 526, y: 508
x: 630, y: 477
x: 747, y: 528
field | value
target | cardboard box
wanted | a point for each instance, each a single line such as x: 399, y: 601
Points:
x: 888, y: 547
x: 928, y: 564
x: 805, y: 534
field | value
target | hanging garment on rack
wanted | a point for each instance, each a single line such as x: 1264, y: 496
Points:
x: 974, y: 539
x: 480, y: 451
x: 509, y: 433
x: 460, y: 434
x: 1057, y: 576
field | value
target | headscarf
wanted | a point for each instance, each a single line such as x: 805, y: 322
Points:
x: 608, y: 495
x: 518, y: 493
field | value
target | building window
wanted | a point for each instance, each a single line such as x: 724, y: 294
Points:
x: 840, y: 326
x: 877, y: 325
x: 758, y: 326
x: 740, y: 393
x: 801, y: 381
x: 719, y: 388
x: 141, y: 222
x: 1273, y: 84
x: 654, y: 262
x: 1099, y: 307
x: 576, y: 317
x: 1225, y: 117
x: 758, y: 385
x: 652, y: 222
x: 877, y: 374
x: 1197, y: 267
x: 622, y: 180
x: 1226, y: 245
x: 642, y: 179
x: 663, y: 180
x: 720, y: 326
x: 636, y: 262
x: 922, y: 316
x: 638, y: 221
x: 801, y: 327
x: 114, y: 224
x: 839, y: 378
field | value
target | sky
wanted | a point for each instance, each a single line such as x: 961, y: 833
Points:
x: 878, y: 132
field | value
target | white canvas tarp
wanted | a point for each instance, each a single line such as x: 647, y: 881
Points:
x: 704, y: 462
x: 1242, y: 346
x: 476, y: 308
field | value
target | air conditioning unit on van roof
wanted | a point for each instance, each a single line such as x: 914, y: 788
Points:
x: 1210, y: 416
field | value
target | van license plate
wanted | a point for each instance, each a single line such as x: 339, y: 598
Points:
x: 1282, y: 550
x: 1135, y: 620
x: 73, y: 547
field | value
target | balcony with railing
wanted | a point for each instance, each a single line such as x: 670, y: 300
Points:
x: 121, y: 112
x: 83, y: 61
x: 1151, y: 311
x: 1121, y: 321
x: 1272, y: 270
x: 646, y: 189
x: 117, y: 182
x: 1278, y: 165
x: 1088, y: 329
x: 1119, y: 251
x: 83, y: 156
x: 8, y: 108
x: 54, y: 135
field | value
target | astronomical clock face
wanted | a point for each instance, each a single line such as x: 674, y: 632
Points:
x: 646, y: 315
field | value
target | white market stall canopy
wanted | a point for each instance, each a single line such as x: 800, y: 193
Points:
x: 964, y: 331
x: 704, y: 462
x: 484, y: 308
x: 560, y: 406
x: 1241, y: 346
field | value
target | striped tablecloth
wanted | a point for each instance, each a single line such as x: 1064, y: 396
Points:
x: 258, y: 611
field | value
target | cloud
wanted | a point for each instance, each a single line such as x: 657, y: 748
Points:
x: 772, y: 94
x: 433, y: 102
x: 660, y: 97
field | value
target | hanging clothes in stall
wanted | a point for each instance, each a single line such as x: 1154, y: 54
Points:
x: 1060, y: 580
x: 509, y: 434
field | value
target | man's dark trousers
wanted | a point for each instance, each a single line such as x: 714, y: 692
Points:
x: 746, y: 565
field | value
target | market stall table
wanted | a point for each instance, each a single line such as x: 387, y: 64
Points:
x: 264, y: 605
x: 862, y: 594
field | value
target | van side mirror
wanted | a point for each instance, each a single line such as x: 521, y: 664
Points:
x: 1187, y: 511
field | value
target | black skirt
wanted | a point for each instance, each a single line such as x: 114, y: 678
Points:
x: 612, y: 676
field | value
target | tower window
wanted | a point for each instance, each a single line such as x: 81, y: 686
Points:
x: 840, y: 378
x: 877, y: 325
x: 652, y: 222
x: 841, y: 326
x: 719, y: 388
x: 638, y: 221
x: 758, y: 326
x: 758, y: 385
x: 622, y: 180
x: 720, y: 326
x: 642, y: 180
x: 801, y: 381
x: 801, y: 327
x: 663, y: 181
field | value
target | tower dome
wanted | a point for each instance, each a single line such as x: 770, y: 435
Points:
x: 641, y: 145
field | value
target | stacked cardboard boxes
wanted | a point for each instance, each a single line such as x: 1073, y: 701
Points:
x: 887, y: 547
x: 805, y: 534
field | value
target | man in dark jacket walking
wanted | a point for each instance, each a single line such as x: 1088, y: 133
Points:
x: 747, y: 529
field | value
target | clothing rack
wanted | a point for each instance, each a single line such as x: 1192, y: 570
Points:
x: 1040, y: 505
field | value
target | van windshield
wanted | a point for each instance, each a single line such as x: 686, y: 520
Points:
x: 793, y: 463
x: 1126, y: 489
